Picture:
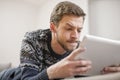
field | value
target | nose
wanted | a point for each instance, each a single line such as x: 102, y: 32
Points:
x: 75, y: 34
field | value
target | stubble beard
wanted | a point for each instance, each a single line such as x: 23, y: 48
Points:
x: 63, y: 45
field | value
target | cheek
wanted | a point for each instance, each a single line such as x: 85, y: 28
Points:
x: 66, y: 35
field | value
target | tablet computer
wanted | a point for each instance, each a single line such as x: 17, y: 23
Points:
x: 101, y: 51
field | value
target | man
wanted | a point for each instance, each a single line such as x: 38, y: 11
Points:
x: 50, y: 54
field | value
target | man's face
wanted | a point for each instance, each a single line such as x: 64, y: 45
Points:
x: 68, y: 32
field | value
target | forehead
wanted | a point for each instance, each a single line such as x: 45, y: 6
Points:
x: 72, y: 20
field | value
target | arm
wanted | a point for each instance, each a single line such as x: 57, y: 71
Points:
x: 69, y: 66
x: 31, y: 74
x: 30, y: 62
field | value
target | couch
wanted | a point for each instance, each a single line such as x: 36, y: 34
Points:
x: 4, y: 66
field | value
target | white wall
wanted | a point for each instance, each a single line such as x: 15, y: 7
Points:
x: 16, y: 17
x: 20, y: 16
x: 105, y: 18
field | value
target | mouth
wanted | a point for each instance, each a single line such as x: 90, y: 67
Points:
x: 73, y: 43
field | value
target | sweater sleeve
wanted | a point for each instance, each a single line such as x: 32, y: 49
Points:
x: 31, y: 60
x: 31, y: 74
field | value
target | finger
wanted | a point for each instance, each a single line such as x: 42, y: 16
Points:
x: 82, y: 63
x: 79, y: 63
x: 112, y: 69
x: 114, y: 65
x: 76, y: 52
x: 81, y: 70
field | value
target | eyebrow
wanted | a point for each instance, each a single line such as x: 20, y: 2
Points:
x: 69, y: 24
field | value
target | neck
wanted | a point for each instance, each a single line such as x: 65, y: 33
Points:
x: 56, y: 46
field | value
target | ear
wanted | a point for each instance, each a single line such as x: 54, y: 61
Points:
x: 53, y: 27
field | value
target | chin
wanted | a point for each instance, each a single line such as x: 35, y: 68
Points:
x: 72, y: 48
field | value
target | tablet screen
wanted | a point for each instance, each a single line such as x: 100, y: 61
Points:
x: 101, y: 51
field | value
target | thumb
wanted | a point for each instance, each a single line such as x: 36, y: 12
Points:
x: 76, y: 52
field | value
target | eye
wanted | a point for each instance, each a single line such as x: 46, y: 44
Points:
x: 79, y: 30
x: 69, y: 29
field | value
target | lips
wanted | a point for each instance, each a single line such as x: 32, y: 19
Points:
x: 73, y: 43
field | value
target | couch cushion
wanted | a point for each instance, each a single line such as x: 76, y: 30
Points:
x: 4, y: 66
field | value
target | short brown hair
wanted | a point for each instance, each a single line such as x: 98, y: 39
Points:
x: 65, y: 8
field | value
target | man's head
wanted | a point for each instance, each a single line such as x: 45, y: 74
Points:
x: 66, y: 23
x: 65, y: 8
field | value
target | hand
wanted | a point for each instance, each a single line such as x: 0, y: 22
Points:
x: 111, y: 69
x: 69, y: 67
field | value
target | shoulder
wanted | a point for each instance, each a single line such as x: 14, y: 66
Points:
x: 38, y: 34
